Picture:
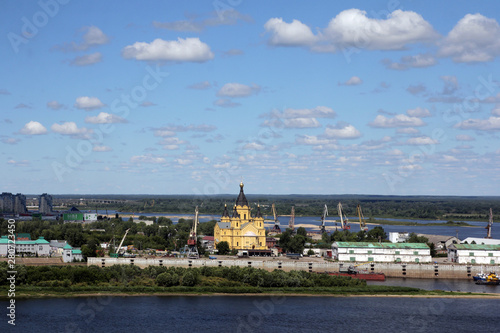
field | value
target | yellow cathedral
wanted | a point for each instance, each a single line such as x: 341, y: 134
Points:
x: 240, y: 230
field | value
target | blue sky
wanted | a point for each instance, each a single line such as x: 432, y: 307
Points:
x: 168, y: 97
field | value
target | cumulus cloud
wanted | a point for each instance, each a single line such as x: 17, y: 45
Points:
x: 399, y: 120
x: 490, y: 124
x: 353, y: 81
x: 342, y: 131
x: 496, y: 110
x: 475, y: 38
x: 352, y: 28
x: 297, y: 118
x: 295, y: 33
x: 180, y: 50
x: 105, y: 118
x: 416, y: 89
x: 237, y: 90
x: 88, y: 103
x: 55, y: 105
x: 407, y: 62
x: 10, y: 141
x: 88, y: 59
x: 22, y: 106
x: 418, y: 112
x: 102, y: 149
x: 70, y: 128
x: 93, y: 36
x: 311, y: 140
x: 254, y: 146
x: 33, y: 128
x: 407, y: 130
x: 147, y: 104
x: 422, y: 140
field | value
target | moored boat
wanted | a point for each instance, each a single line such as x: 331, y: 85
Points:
x: 483, y: 278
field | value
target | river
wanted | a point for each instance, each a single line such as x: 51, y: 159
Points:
x: 253, y: 314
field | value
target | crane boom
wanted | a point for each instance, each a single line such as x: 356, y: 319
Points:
x: 343, y: 224
x: 362, y: 223
x: 291, y: 223
x: 490, y: 224
x: 123, y: 239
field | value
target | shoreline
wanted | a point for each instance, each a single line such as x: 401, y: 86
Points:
x: 80, y: 295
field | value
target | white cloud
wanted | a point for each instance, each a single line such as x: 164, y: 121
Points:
x: 399, y: 120
x: 162, y: 133
x: 311, y: 140
x: 33, y: 128
x: 407, y: 130
x: 19, y: 163
x: 105, y: 118
x: 88, y: 103
x: 70, y: 128
x: 189, y: 49
x: 352, y: 28
x: 237, y: 90
x: 475, y: 38
x: 415, y: 61
x: 254, y: 146
x: 490, y: 124
x: 449, y: 158
x: 394, y: 152
x: 353, y: 81
x: 496, y: 110
x: 422, y: 140
x: 183, y: 161
x: 171, y: 141
x: 102, y: 149
x: 148, y: 158
x: 289, y: 34
x: 93, y: 37
x: 301, y: 123
x: 88, y: 59
x: 418, y: 112
x: 55, y: 105
x: 10, y: 141
x: 344, y: 131
x: 463, y: 137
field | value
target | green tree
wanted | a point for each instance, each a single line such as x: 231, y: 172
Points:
x: 223, y: 247
x: 302, y: 231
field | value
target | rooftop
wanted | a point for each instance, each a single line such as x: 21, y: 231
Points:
x: 383, y: 245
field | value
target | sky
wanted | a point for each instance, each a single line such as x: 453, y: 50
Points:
x: 290, y: 97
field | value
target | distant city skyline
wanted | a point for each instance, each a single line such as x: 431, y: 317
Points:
x: 289, y: 97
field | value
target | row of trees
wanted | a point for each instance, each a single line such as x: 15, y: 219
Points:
x: 126, y: 275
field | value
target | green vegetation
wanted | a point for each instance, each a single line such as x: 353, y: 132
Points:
x: 421, y: 207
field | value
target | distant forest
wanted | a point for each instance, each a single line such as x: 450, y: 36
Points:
x: 422, y: 207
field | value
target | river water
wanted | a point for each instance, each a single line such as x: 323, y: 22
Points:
x: 253, y: 314
x: 314, y: 221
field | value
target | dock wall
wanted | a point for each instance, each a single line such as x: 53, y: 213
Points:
x: 401, y: 270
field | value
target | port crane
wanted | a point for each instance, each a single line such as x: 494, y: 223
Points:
x: 191, y: 250
x: 291, y: 223
x: 117, y: 253
x: 344, y: 225
x: 490, y: 224
x: 362, y: 223
x: 322, y: 227
x: 276, y: 228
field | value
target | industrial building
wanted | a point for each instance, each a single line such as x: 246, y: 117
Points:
x: 70, y: 254
x: 241, y: 230
x: 39, y: 247
x: 474, y: 254
x: 381, y: 252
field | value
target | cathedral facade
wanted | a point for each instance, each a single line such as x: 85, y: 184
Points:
x: 239, y: 229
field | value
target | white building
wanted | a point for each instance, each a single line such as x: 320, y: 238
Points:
x: 89, y: 217
x: 381, y: 252
x: 474, y: 254
x: 398, y: 237
x: 70, y: 255
x: 484, y: 241
x: 38, y: 247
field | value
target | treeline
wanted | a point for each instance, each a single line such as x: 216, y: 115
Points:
x: 424, y: 207
x: 126, y: 275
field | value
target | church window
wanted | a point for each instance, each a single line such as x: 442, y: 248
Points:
x: 244, y: 216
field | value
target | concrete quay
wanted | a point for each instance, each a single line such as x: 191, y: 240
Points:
x: 399, y: 270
